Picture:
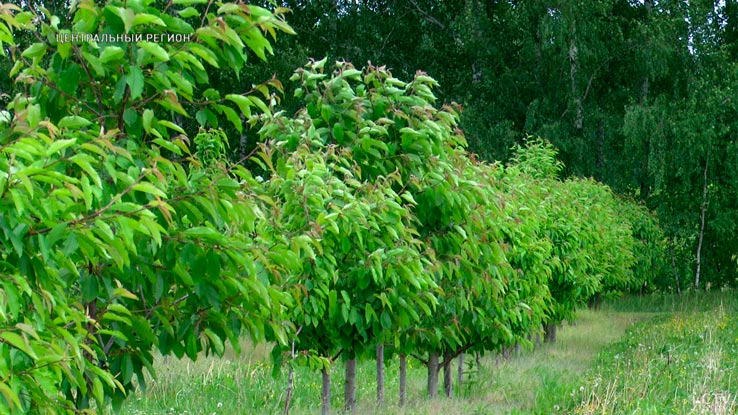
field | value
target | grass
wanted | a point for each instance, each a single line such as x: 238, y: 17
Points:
x: 679, y: 363
x: 654, y: 354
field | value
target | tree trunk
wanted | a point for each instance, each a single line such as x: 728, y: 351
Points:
x: 550, y: 335
x: 573, y: 68
x: 243, y: 142
x: 447, y: 377
x: 403, y: 378
x: 645, y: 85
x: 290, y: 378
x: 600, y: 163
x: 349, y: 386
x: 702, y: 226
x: 288, y: 394
x: 461, y: 369
x: 595, y: 302
x: 433, y: 375
x: 380, y: 373
x: 325, y: 393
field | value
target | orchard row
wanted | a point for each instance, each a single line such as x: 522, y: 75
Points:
x: 362, y: 222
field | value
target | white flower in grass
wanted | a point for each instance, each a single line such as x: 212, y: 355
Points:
x: 220, y: 404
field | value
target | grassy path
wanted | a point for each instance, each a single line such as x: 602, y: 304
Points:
x: 536, y: 380
x: 658, y: 355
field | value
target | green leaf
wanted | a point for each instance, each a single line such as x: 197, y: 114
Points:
x: 188, y: 2
x: 232, y: 117
x: 191, y: 347
x: 37, y: 50
x: 205, y: 54
x: 97, y: 390
x: 130, y: 116
x: 278, y: 333
x: 259, y: 104
x: 205, y: 233
x: 157, y: 52
x: 345, y: 245
x: 19, y: 342
x: 111, y: 53
x: 386, y: 320
x: 125, y: 15
x: 332, y: 304
x: 338, y: 132
x: 148, y: 116
x: 10, y: 397
x: 147, y: 187
x: 244, y: 104
x: 168, y: 145
x: 84, y: 162
x: 119, y: 309
x: 144, y: 19
x: 188, y: 12
x: 215, y: 341
x: 171, y: 126
x: 34, y: 115
x: 135, y: 81
x: 73, y: 122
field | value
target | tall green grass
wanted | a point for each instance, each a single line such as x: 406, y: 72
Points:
x: 689, y: 300
x: 679, y: 363
x: 659, y: 354
x: 244, y: 385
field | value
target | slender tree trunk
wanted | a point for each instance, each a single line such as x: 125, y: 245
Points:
x: 461, y: 369
x: 550, y: 335
x: 702, y: 226
x: 325, y: 393
x: 601, y: 149
x: 433, y: 375
x: 573, y: 68
x: 288, y: 397
x: 290, y: 379
x: 447, y: 377
x: 645, y: 85
x: 403, y: 378
x: 349, y: 386
x: 538, y: 42
x: 380, y: 373
x: 243, y: 142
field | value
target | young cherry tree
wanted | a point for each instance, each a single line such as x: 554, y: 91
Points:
x: 116, y: 238
x: 361, y: 274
